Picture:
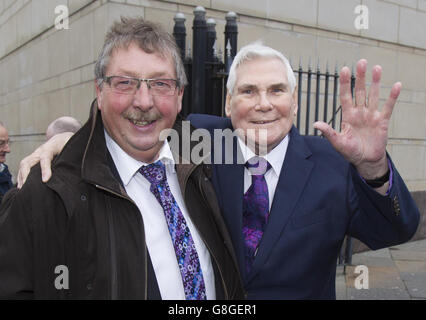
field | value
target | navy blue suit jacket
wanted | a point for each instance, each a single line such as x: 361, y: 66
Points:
x: 319, y: 199
x: 5, y: 182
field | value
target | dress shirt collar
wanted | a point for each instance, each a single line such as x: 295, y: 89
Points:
x: 275, y: 157
x: 127, y: 166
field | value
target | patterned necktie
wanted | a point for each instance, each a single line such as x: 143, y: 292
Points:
x: 186, y: 254
x: 255, y: 208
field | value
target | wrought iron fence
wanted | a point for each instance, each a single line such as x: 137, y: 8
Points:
x: 207, y: 70
x: 321, y: 103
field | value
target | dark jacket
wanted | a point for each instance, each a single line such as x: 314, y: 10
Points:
x: 5, y: 181
x: 83, y: 219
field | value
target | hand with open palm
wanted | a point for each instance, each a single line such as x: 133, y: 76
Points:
x: 364, y: 128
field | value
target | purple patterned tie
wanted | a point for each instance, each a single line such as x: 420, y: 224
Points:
x: 255, y: 208
x: 186, y: 254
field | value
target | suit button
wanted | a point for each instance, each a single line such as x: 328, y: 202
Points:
x: 208, y: 170
x: 396, y: 207
x: 83, y: 197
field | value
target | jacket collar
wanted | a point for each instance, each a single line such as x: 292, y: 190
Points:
x: 182, y: 150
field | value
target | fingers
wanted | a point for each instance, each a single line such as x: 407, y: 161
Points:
x: 390, y: 102
x: 359, y: 90
x: 327, y: 131
x: 43, y: 154
x: 345, y: 88
x: 22, y: 175
x: 373, y: 96
x: 45, y: 165
x: 25, y: 166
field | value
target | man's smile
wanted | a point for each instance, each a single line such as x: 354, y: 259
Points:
x: 262, y: 121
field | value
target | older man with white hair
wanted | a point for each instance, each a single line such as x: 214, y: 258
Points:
x: 288, y: 222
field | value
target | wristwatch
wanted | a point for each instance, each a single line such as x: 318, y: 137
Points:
x: 378, y: 182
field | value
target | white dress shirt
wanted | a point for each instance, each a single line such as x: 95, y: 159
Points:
x: 275, y: 157
x: 157, y: 236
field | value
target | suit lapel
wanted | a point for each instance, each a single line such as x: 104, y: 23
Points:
x: 293, y: 177
x: 229, y: 182
x: 232, y: 205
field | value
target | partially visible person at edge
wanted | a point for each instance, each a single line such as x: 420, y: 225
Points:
x: 288, y: 224
x: 121, y: 217
x: 5, y: 177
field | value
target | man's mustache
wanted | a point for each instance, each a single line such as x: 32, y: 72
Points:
x: 139, y: 115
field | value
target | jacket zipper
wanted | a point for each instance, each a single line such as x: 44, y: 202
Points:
x: 211, y: 252
x: 114, y: 287
x: 219, y: 268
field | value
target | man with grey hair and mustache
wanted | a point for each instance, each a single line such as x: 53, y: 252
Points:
x: 121, y: 217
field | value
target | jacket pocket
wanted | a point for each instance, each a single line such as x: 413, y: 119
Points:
x: 310, y: 218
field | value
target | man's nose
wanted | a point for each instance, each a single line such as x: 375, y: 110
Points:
x: 7, y: 148
x: 263, y: 103
x: 143, y: 97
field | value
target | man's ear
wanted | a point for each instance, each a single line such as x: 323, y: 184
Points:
x: 228, y: 105
x: 295, y: 100
x: 98, y: 94
x: 180, y: 97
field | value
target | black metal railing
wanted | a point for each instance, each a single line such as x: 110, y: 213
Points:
x: 321, y: 103
x: 206, y: 69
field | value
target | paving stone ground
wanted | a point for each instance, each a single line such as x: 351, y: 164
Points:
x: 395, y: 273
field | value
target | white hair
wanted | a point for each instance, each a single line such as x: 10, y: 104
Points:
x: 253, y: 51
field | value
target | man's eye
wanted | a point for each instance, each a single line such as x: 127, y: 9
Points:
x: 161, y: 84
x: 121, y: 83
x: 247, y: 91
